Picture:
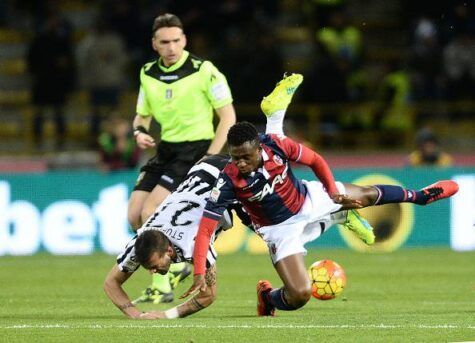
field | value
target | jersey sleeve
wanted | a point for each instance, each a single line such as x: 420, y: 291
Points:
x: 222, y: 197
x: 291, y: 148
x: 126, y: 260
x: 142, y: 108
x: 301, y: 154
x: 216, y: 86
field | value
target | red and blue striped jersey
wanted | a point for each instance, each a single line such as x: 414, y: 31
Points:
x: 271, y: 194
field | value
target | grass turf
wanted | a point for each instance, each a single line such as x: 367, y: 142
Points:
x: 410, y: 295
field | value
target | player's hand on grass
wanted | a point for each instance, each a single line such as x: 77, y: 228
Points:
x: 152, y: 315
x: 199, y: 283
x: 346, y: 201
x: 145, y: 141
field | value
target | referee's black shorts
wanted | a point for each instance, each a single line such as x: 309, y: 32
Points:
x: 170, y: 165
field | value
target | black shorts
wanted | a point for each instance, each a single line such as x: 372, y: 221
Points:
x: 170, y: 165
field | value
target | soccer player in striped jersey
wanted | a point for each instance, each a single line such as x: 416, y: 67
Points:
x: 168, y: 237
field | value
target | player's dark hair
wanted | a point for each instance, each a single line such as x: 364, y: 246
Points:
x: 241, y: 133
x: 149, y: 242
x: 166, y: 20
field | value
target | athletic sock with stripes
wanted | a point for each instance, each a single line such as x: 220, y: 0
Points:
x: 277, y: 299
x: 389, y: 194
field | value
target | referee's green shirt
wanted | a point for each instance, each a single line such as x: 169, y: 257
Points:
x: 182, y: 97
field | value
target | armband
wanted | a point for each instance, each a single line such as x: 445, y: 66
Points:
x: 140, y: 129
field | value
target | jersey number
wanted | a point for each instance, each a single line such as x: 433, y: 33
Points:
x: 188, y: 207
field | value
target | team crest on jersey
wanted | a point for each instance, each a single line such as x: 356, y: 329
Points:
x: 278, y: 160
x: 168, y: 94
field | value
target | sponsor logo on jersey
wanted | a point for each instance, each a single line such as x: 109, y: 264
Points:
x: 169, y: 77
x: 269, y: 188
x: 252, y: 184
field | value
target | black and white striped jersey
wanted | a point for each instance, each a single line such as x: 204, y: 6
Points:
x: 179, y: 215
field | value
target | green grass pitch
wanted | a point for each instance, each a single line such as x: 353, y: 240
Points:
x: 413, y: 295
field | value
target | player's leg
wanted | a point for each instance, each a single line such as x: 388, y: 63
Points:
x: 297, y: 288
x: 154, y: 199
x: 387, y: 194
x: 144, y: 185
x: 178, y: 272
x: 275, y: 104
x: 134, y: 208
x: 295, y: 292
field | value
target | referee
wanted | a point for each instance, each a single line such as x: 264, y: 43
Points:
x: 181, y: 92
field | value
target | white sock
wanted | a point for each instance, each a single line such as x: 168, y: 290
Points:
x: 275, y: 123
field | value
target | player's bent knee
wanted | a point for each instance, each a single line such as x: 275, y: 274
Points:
x: 134, y: 220
x: 370, y: 194
x: 147, y: 211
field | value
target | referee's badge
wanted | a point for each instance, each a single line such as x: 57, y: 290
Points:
x: 168, y: 94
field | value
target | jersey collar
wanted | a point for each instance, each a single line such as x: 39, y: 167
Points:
x: 262, y: 170
x: 175, y: 66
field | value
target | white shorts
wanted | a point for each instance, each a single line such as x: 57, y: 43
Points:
x: 289, y: 237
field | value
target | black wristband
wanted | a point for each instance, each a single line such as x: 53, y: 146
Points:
x: 140, y: 129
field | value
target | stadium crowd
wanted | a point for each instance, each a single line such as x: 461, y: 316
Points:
x: 405, y: 54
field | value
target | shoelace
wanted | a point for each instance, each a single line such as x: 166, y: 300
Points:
x: 434, y: 192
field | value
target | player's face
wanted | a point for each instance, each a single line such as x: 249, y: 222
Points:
x: 169, y: 42
x: 159, y: 263
x: 247, y: 157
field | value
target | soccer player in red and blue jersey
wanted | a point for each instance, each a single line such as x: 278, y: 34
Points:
x: 287, y: 212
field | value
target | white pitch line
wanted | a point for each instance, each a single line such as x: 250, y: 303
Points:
x: 244, y: 326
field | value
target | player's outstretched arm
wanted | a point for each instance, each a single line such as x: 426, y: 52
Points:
x: 204, y: 298
x: 200, y: 301
x: 202, y: 241
x: 113, y: 288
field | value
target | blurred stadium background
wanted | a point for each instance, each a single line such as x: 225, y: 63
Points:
x: 380, y: 79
